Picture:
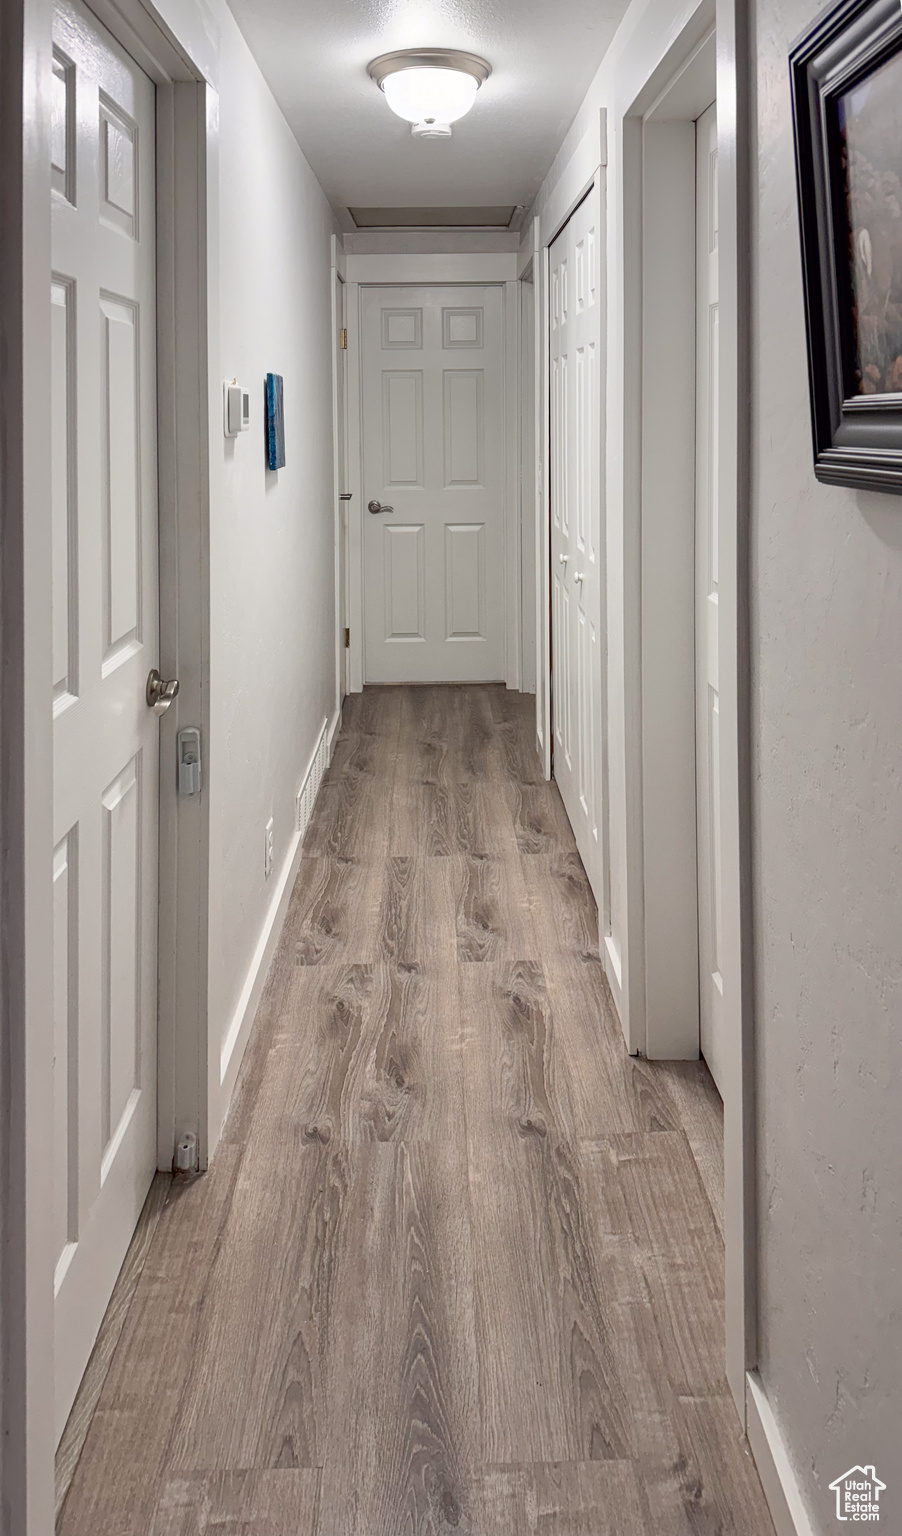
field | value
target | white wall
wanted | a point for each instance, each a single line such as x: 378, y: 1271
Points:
x: 827, y: 728
x: 272, y: 534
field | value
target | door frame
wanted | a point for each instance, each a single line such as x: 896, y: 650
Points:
x: 654, y: 65
x: 532, y: 272
x: 657, y: 161
x: 187, y: 313
x: 660, y: 149
x: 599, y: 875
x: 587, y: 167
x: 339, y: 459
x: 527, y: 416
x: 460, y: 269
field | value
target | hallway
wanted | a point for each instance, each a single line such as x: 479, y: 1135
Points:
x: 457, y: 1265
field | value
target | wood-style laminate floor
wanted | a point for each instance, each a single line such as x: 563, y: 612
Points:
x: 457, y: 1264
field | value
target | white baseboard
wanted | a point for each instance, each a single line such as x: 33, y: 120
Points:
x: 334, y: 727
x: 612, y: 951
x: 245, y: 1013
x: 778, y: 1480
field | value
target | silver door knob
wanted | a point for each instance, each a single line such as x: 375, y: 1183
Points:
x: 376, y: 506
x: 159, y: 693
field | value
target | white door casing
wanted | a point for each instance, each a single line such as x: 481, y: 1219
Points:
x: 707, y: 608
x: 105, y: 640
x: 648, y: 57
x: 527, y: 488
x: 577, y: 558
x: 432, y: 367
x: 340, y: 411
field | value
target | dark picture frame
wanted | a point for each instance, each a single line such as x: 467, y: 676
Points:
x: 846, y: 73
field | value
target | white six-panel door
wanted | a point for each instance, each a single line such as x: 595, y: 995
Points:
x: 707, y: 614
x: 576, y: 544
x: 433, y: 450
x: 105, y: 639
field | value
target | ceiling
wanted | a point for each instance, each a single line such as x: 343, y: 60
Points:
x: 314, y: 55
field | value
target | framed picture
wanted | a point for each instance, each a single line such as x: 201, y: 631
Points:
x: 847, y: 105
x: 275, y: 422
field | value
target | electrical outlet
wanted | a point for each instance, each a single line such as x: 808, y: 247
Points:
x: 267, y: 849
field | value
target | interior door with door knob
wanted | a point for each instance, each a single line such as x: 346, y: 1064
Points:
x: 577, y: 556
x: 433, y: 478
x: 105, y: 642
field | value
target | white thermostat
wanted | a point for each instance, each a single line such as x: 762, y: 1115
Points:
x: 236, y: 408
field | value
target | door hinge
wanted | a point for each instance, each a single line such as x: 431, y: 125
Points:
x: 343, y: 339
x: 347, y: 639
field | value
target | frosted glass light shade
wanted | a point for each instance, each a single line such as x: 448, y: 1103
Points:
x: 424, y: 95
x: 430, y: 88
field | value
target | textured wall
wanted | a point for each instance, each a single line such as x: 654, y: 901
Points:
x: 827, y: 660
x: 272, y: 534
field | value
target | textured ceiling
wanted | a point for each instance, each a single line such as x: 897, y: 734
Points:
x: 314, y: 55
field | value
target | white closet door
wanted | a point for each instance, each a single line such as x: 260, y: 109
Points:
x: 577, y: 556
x: 707, y: 637
x: 434, y: 454
x: 105, y: 640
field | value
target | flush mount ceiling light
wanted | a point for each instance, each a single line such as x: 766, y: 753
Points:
x: 429, y: 87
